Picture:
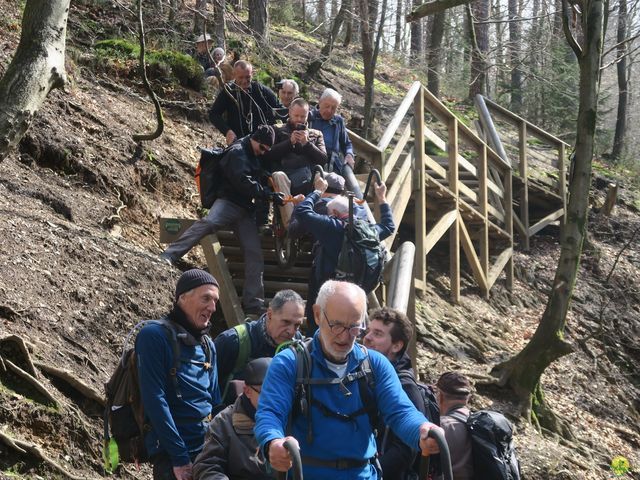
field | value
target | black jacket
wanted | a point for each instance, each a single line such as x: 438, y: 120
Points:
x: 396, y: 458
x: 244, y: 174
x: 249, y: 110
x: 287, y: 157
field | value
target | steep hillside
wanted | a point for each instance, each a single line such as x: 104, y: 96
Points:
x: 79, y: 203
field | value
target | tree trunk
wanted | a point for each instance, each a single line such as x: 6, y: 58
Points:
x: 416, y: 34
x: 480, y: 47
x: 321, y: 14
x: 36, y: 68
x: 200, y: 13
x: 623, y: 83
x: 219, y: 24
x: 351, y: 27
x: 522, y: 373
x: 515, y: 38
x: 399, y: 26
x: 315, y: 66
x: 434, y: 53
x: 259, y: 18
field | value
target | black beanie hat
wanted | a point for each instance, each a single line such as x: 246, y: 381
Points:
x: 256, y: 370
x: 193, y: 279
x: 264, y: 135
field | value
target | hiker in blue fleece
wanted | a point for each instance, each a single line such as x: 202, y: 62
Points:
x: 337, y: 440
x: 178, y: 408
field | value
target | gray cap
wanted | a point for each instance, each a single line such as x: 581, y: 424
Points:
x: 335, y: 182
x: 256, y: 370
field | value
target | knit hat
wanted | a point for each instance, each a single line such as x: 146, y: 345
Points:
x: 256, y: 370
x: 335, y: 182
x: 454, y: 383
x: 193, y: 279
x: 264, y: 135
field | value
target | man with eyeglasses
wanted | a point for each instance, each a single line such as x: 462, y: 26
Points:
x: 230, y: 446
x: 235, y: 207
x: 335, y: 435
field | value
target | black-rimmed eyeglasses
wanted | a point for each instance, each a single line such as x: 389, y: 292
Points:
x: 338, y: 329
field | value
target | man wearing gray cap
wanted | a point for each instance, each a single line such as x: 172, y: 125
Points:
x: 178, y: 377
x: 230, y: 449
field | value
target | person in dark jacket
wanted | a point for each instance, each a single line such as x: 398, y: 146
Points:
x: 279, y: 324
x: 230, y: 449
x: 235, y: 207
x: 328, y: 231
x: 178, y: 411
x: 389, y: 333
x: 243, y: 105
x: 296, y: 150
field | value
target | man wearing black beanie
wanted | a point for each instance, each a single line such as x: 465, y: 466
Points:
x: 178, y: 376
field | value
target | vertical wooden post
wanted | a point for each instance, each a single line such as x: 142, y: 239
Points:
x: 562, y: 181
x: 523, y: 168
x: 483, y: 201
x: 411, y: 313
x: 508, y: 223
x: 420, y: 196
x: 454, y: 232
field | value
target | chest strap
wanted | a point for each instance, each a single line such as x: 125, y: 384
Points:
x: 338, y: 464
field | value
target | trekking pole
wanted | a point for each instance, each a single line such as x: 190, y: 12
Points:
x: 294, y: 452
x: 372, y: 173
x: 317, y: 169
x: 445, y: 457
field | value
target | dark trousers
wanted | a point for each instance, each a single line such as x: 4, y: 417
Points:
x: 162, y: 468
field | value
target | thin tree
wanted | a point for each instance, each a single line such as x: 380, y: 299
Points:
x: 259, y: 19
x: 36, y: 68
x: 514, y: 57
x: 623, y: 82
x: 522, y: 372
x: 416, y: 35
x: 399, y: 26
x: 315, y: 66
x: 479, y: 37
x: 219, y: 24
x: 434, y: 53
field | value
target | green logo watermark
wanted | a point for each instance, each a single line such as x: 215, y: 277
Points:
x: 620, y: 466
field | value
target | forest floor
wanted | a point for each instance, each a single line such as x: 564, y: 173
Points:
x: 79, y: 203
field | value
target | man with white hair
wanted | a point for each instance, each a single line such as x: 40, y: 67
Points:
x: 334, y: 432
x: 288, y: 91
x: 329, y: 230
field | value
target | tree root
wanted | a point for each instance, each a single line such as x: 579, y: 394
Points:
x: 24, y: 350
x: 76, y: 383
x: 32, y: 381
x: 33, y: 449
x: 547, y: 419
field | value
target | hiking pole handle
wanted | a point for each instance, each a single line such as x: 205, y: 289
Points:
x: 445, y: 457
x: 317, y: 169
x: 372, y: 173
x: 294, y: 453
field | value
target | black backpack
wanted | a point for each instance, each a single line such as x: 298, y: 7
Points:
x: 303, y: 393
x: 124, y: 425
x: 431, y: 409
x: 493, y: 453
x: 209, y: 176
x: 362, y: 256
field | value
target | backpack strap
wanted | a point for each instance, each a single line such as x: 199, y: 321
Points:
x: 244, y: 352
x: 456, y: 415
x: 172, y: 335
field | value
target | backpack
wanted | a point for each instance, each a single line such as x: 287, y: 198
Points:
x: 431, y: 409
x: 362, y: 256
x: 209, y: 176
x: 124, y: 425
x: 303, y: 395
x: 244, y: 353
x: 492, y: 447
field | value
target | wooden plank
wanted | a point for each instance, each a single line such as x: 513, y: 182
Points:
x: 519, y: 226
x: 523, y: 168
x: 483, y: 201
x: 399, y: 205
x: 508, y: 224
x: 391, y: 160
x: 498, y: 265
x: 467, y: 192
x: 229, y: 300
x: 562, y: 178
x: 402, y: 110
x: 172, y: 228
x: 435, y: 166
x: 552, y: 217
x: 396, y: 186
x: 495, y: 213
x: 439, y: 229
x: 472, y: 257
x: 420, y: 212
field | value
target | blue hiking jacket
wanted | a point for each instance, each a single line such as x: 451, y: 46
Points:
x: 334, y: 438
x: 336, y: 138
x: 178, y: 424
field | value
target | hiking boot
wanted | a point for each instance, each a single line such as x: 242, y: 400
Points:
x: 167, y: 258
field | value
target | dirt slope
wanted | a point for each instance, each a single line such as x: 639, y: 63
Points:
x: 79, y: 203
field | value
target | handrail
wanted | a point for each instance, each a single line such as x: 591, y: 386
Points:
x: 404, y: 107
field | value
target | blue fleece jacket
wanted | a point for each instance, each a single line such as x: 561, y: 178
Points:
x: 178, y: 425
x: 336, y: 138
x: 334, y: 438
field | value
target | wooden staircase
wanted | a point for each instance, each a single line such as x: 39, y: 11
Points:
x: 450, y: 189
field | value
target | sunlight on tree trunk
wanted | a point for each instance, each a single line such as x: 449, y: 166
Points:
x: 522, y: 373
x: 36, y: 68
x: 617, y: 150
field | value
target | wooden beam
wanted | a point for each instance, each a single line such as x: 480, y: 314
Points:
x: 496, y: 268
x: 562, y: 180
x: 430, y: 8
x: 404, y: 107
x: 406, y: 165
x: 231, y: 308
x: 391, y: 160
x: 400, y: 202
x: 523, y: 168
x: 552, y: 217
x: 508, y: 223
x: 484, y: 211
x: 519, y: 226
x: 472, y: 257
x: 420, y: 198
x: 454, y: 231
x: 438, y: 230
